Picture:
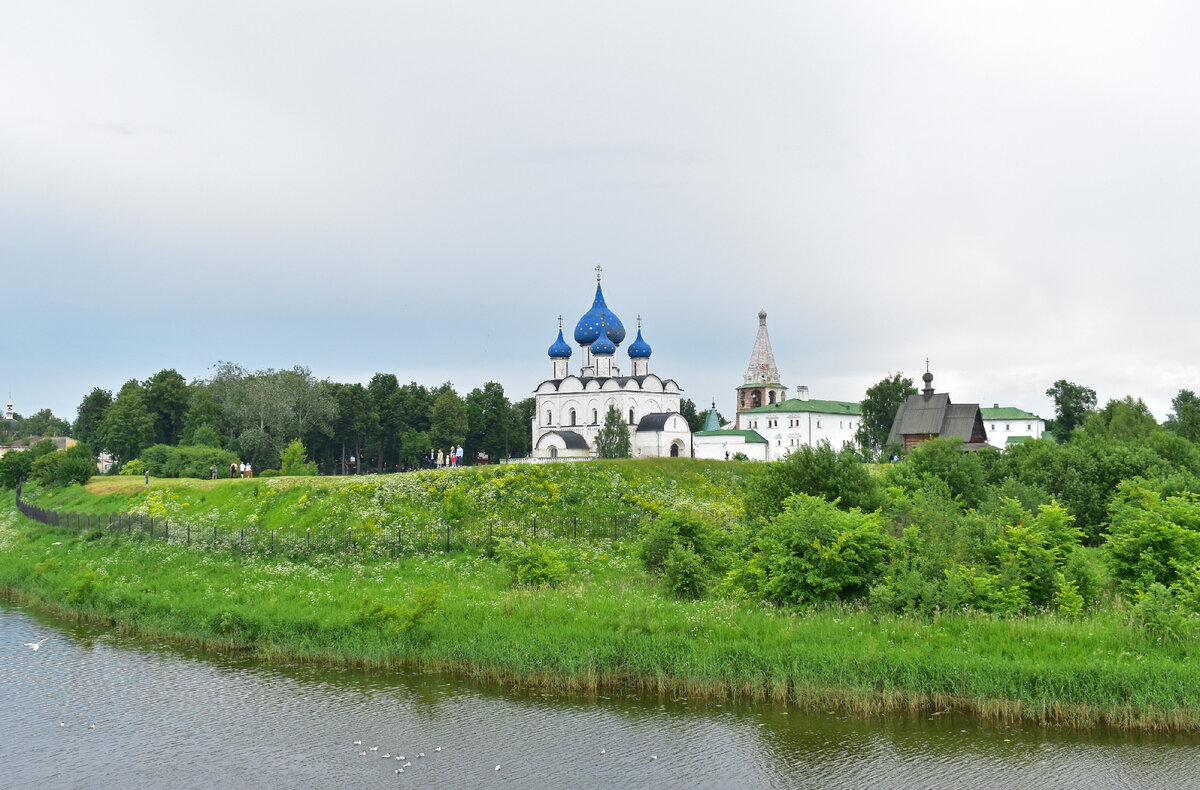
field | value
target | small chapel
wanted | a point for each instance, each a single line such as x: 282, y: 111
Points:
x: 571, y: 406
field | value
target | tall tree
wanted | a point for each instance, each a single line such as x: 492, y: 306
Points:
x: 879, y: 410
x: 202, y: 418
x: 383, y: 390
x: 128, y: 427
x: 687, y: 409
x: 167, y: 398
x: 520, y: 435
x: 613, y: 439
x: 1184, y: 419
x: 1072, y: 405
x: 356, y: 422
x: 90, y: 416
x: 448, y: 419
x: 487, y: 419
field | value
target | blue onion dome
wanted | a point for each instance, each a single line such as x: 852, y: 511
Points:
x: 560, y: 349
x: 599, y: 318
x: 603, y: 347
x: 639, y: 349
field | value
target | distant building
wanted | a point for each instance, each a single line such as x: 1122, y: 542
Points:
x: 1007, y: 425
x: 770, y: 426
x: 570, y: 407
x: 927, y: 415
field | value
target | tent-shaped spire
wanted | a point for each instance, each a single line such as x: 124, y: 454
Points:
x: 762, y: 368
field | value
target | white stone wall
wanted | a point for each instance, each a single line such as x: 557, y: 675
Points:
x: 723, y: 448
x: 998, y: 431
x: 786, y: 432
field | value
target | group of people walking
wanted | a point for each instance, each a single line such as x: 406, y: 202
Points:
x: 450, y: 458
x: 239, y: 470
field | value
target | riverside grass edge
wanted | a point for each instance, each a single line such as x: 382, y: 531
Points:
x: 609, y: 627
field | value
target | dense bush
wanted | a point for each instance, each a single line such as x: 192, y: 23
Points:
x: 64, y: 467
x: 678, y: 529
x: 532, y: 564
x: 942, y: 462
x: 294, y: 460
x: 839, y: 477
x: 15, y: 465
x: 813, y: 551
x: 192, y: 461
x: 1153, y: 539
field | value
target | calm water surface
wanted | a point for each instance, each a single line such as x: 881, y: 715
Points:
x: 168, y: 718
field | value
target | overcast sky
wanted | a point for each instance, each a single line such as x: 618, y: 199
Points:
x: 1011, y: 190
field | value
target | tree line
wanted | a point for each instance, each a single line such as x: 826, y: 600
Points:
x: 344, y: 427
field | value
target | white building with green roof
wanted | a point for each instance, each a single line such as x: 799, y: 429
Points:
x: 1008, y: 425
x: 769, y: 425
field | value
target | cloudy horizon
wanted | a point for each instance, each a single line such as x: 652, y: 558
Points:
x: 1010, y: 190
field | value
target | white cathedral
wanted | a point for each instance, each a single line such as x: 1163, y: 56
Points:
x: 571, y: 406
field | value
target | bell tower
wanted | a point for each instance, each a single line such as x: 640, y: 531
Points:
x: 761, y: 385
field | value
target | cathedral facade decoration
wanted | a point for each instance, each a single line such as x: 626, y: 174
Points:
x: 571, y: 405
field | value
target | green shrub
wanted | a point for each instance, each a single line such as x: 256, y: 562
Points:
x: 1157, y: 612
x: 270, y: 473
x: 1151, y: 539
x: 680, y: 529
x: 15, y: 465
x: 294, y: 460
x: 134, y: 468
x: 186, y: 461
x: 813, y: 551
x: 533, y: 564
x: 839, y: 477
x: 1067, y: 600
x: 684, y: 572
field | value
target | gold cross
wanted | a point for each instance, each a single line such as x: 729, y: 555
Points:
x: 599, y: 269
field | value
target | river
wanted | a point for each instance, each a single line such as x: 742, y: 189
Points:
x: 96, y: 709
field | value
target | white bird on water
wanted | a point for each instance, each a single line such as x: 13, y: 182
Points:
x: 497, y: 768
x: 35, y: 645
x: 358, y: 743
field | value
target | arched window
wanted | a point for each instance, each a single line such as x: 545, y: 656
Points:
x: 756, y: 398
x: 631, y: 416
x: 554, y: 452
x: 549, y: 417
x: 595, y: 417
x: 674, y: 451
x: 572, y: 417
x: 771, y: 397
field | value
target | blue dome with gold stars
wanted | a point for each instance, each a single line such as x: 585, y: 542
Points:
x: 603, y: 347
x: 560, y: 349
x: 588, y: 330
x: 639, y: 349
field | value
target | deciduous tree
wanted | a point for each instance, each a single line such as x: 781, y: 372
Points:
x: 1072, y: 405
x: 879, y: 410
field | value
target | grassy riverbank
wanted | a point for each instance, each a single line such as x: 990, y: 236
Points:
x: 609, y: 625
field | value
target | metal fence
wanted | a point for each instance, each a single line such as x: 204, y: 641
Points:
x: 385, y: 541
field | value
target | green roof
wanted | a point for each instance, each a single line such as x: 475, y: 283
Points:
x: 1007, y: 413
x: 1018, y: 439
x: 751, y: 437
x: 814, y: 406
x: 711, y: 423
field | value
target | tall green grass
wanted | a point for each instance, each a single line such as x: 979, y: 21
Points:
x: 608, y: 626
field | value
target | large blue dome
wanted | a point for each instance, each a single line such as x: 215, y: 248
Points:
x: 560, y: 349
x: 588, y: 330
x: 639, y: 349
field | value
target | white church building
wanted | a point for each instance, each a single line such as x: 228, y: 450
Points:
x: 571, y: 406
x: 769, y: 425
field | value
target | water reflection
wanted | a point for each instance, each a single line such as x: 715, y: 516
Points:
x: 165, y: 717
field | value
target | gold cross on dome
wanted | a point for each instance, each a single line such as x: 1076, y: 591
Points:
x: 599, y: 269
x: 560, y: 322
x: 639, y: 322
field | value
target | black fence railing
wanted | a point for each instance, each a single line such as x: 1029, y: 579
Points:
x: 394, y: 539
